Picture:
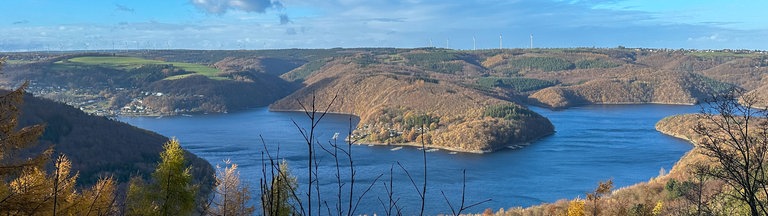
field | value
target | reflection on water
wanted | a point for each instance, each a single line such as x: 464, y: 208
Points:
x: 591, y: 143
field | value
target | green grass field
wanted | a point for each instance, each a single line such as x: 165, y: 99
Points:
x: 127, y: 63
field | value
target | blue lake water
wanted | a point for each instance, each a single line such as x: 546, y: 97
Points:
x: 591, y: 143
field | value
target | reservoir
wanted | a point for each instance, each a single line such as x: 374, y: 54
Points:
x: 591, y: 144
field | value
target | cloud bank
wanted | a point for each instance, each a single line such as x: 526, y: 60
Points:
x: 268, y: 24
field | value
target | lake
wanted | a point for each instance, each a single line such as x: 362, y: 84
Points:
x: 591, y: 144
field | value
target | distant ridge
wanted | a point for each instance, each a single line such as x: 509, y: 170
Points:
x: 470, y: 100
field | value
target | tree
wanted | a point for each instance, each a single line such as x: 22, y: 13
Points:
x: 657, y: 210
x: 63, y: 184
x: 36, y: 193
x: 576, y: 208
x: 697, y: 190
x: 170, y: 193
x: 100, y: 199
x: 27, y: 194
x: 411, y: 135
x: 21, y: 172
x: 137, y: 201
x: 13, y: 140
x: 276, y: 197
x: 603, y: 189
x: 230, y: 196
x: 62, y: 197
x: 174, y: 181
x: 735, y: 135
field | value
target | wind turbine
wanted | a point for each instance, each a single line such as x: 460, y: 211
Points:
x: 474, y: 43
x: 531, y: 40
x: 500, y: 40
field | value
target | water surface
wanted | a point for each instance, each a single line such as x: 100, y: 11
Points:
x: 591, y: 143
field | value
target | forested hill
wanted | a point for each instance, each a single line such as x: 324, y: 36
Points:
x: 620, y: 76
x: 394, y: 108
x: 100, y: 147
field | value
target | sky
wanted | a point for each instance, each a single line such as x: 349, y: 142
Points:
x: 53, y: 25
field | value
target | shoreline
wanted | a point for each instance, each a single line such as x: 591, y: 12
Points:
x: 302, y: 111
x: 678, y: 136
x: 418, y: 145
x: 608, y: 103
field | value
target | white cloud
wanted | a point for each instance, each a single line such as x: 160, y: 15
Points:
x: 709, y: 38
x: 222, y: 6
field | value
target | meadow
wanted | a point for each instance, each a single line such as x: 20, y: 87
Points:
x: 127, y: 63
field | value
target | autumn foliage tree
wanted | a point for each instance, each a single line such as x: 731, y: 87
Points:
x: 170, y: 193
x: 56, y: 193
x: 231, y: 197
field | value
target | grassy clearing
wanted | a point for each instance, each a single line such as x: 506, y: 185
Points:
x: 724, y: 54
x: 9, y: 61
x: 127, y: 63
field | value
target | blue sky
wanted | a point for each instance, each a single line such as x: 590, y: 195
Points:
x: 272, y: 24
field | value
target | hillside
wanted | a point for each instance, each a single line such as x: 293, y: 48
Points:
x: 468, y: 100
x: 99, y: 146
x: 392, y: 106
x: 640, y: 86
x: 621, y: 76
x: 272, y: 66
x: 129, y: 85
x: 761, y: 93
